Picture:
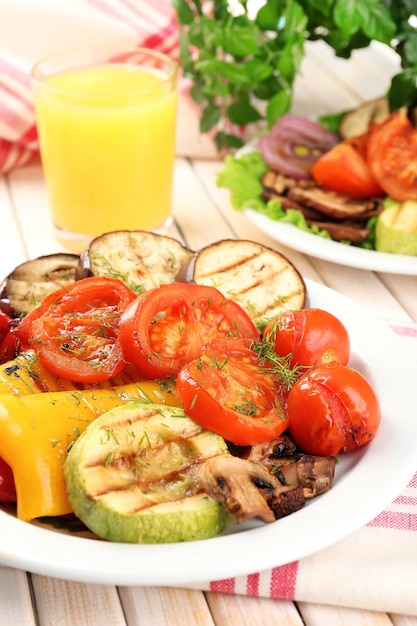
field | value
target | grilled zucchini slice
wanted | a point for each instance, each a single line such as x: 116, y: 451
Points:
x: 133, y: 476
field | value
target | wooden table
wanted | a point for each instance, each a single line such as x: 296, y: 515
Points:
x: 202, y: 215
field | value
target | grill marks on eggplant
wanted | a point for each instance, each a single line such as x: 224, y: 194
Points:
x: 31, y: 281
x: 261, y: 280
x: 142, y: 260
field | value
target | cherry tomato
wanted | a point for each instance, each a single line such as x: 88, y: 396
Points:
x: 7, y: 486
x: 345, y: 169
x: 75, y: 330
x: 310, y: 336
x: 167, y: 327
x: 392, y: 157
x: 230, y: 392
x: 332, y: 409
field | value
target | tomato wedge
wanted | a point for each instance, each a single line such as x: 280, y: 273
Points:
x: 392, y: 157
x: 230, y: 391
x: 75, y: 330
x: 345, y: 169
x: 167, y: 327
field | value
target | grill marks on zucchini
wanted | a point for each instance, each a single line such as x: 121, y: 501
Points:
x: 142, y: 460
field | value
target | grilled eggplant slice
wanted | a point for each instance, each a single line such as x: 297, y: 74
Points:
x: 263, y: 281
x: 31, y: 281
x: 357, y: 121
x: 133, y: 476
x: 142, y: 260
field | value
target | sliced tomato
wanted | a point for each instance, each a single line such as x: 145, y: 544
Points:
x: 392, y: 157
x: 167, y: 327
x: 345, y: 169
x: 332, y: 409
x: 7, y: 486
x: 75, y: 331
x: 230, y: 392
x: 310, y: 336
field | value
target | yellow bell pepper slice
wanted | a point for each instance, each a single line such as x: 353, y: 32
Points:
x: 25, y: 375
x: 36, y: 431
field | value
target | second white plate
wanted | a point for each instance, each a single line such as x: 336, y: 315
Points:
x: 333, y: 251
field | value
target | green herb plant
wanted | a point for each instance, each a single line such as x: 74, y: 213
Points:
x: 242, y: 64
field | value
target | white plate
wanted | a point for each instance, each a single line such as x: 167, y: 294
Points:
x: 365, y: 483
x: 329, y: 250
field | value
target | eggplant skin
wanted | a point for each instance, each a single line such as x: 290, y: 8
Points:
x: 141, y: 259
x: 32, y: 280
x: 263, y: 281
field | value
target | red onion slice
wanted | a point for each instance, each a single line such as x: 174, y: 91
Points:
x: 294, y: 145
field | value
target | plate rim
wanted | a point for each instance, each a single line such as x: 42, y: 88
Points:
x: 333, y: 251
x: 41, y: 551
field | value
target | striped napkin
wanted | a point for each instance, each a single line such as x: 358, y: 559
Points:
x: 30, y: 30
x: 375, y: 568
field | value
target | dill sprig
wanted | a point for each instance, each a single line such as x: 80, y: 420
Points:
x: 280, y: 366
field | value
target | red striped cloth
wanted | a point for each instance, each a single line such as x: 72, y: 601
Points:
x: 150, y: 23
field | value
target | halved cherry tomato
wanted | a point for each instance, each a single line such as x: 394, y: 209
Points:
x: 75, y: 333
x: 311, y: 336
x: 392, y: 157
x: 230, y: 391
x: 7, y: 486
x: 345, y: 169
x: 167, y: 327
x: 332, y: 409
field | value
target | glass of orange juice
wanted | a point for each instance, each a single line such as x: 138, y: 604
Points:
x: 106, y: 123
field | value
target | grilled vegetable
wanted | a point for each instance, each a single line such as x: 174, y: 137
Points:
x: 36, y: 430
x: 292, y: 467
x: 263, y: 281
x: 140, y: 259
x: 26, y: 375
x: 31, y: 281
x: 247, y: 489
x: 396, y: 229
x: 133, y: 476
x: 359, y: 120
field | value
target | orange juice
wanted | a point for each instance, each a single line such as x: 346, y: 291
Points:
x: 107, y: 137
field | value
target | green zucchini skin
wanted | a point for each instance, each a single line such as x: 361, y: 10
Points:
x: 132, y: 476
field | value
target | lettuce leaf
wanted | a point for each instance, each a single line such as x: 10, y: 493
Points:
x: 242, y: 176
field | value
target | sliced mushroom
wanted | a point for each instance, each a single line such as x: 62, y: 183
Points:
x: 293, y: 468
x: 247, y: 489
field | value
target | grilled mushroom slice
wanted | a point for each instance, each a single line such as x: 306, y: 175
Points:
x: 247, y: 489
x: 31, y: 281
x: 141, y: 259
x: 293, y: 468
